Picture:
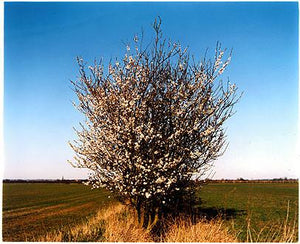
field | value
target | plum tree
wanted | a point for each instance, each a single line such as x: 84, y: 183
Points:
x: 154, y: 122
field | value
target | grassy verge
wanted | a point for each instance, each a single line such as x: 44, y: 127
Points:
x: 118, y: 224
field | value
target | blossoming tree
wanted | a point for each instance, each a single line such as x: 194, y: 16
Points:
x: 154, y: 122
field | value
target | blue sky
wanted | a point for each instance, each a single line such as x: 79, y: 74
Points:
x: 42, y: 40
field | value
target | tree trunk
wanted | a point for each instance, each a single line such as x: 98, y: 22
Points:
x: 152, y: 219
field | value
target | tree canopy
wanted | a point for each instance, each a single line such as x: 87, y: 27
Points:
x: 154, y: 121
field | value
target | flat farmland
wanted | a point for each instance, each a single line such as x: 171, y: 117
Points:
x: 261, y: 208
x: 31, y: 210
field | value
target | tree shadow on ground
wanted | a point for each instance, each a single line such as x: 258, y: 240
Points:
x: 196, y: 210
x: 196, y: 213
x: 199, y: 211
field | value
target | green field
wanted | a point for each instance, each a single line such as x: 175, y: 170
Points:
x: 261, y: 205
x: 33, y: 209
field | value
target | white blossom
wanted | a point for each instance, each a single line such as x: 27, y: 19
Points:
x: 149, y: 126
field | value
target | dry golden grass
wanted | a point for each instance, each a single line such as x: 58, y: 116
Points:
x: 114, y: 224
x: 91, y: 230
x: 183, y: 230
x: 118, y: 224
x: 123, y: 227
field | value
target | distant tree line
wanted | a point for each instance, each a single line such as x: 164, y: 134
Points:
x: 206, y: 181
x: 241, y: 180
x: 44, y: 181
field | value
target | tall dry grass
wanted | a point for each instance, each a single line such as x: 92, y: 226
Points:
x: 114, y: 224
x: 118, y: 224
x: 91, y: 230
x: 123, y: 227
x: 183, y: 230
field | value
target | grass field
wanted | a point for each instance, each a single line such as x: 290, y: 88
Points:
x: 256, y: 206
x: 32, y: 210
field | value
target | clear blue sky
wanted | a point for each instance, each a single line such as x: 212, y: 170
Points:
x: 41, y: 41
